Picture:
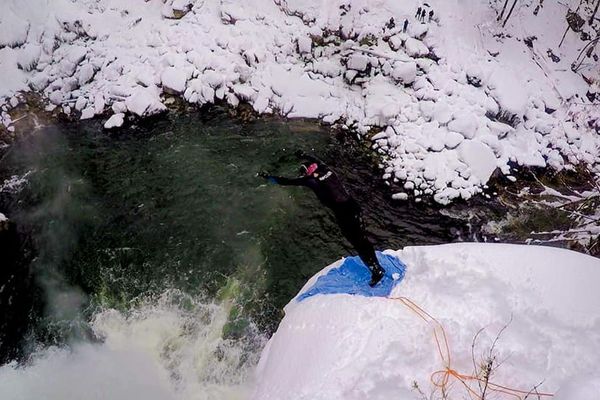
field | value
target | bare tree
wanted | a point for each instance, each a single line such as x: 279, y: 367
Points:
x: 591, y: 20
x: 509, y: 13
x: 502, y: 12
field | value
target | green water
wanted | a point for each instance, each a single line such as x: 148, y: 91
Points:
x: 106, y: 219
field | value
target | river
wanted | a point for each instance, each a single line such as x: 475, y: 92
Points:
x: 156, y: 256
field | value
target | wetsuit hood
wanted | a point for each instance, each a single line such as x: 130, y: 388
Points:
x: 308, y: 168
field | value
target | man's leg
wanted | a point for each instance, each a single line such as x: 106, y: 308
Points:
x: 352, y: 228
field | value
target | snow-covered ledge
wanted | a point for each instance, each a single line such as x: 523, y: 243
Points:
x: 352, y: 347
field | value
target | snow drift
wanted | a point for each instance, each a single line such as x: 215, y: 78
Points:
x: 352, y: 347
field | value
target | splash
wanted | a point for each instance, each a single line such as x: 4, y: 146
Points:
x: 169, y: 347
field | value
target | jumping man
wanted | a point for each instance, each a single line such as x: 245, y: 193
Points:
x: 316, y: 175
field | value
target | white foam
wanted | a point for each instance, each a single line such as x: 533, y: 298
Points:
x: 168, y: 348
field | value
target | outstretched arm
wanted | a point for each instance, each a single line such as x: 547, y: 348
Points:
x: 281, y: 180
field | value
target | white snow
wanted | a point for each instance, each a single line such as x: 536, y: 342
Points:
x: 352, y: 347
x: 341, y: 62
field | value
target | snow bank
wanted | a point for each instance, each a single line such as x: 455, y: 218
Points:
x: 459, y: 77
x: 352, y: 347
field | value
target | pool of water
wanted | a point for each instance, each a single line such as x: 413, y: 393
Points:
x: 109, y: 221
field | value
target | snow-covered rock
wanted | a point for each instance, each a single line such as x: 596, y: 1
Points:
x: 115, y: 121
x: 485, y: 84
x: 144, y: 101
x: 479, y: 157
x: 358, y: 62
x: 415, y: 48
x: 86, y: 73
x: 404, y: 72
x: 304, y: 45
x: 173, y: 80
x: 543, y: 300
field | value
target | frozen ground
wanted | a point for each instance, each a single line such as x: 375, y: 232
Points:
x: 454, y: 98
x: 542, y: 303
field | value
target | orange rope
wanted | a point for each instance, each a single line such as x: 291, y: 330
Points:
x: 440, y: 379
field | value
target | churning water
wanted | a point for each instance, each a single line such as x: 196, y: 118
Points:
x: 153, y: 264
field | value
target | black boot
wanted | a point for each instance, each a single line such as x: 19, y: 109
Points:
x: 377, y: 274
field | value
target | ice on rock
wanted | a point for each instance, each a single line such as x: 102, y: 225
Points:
x: 173, y: 79
x: 480, y: 159
x: 115, y: 121
x: 415, y: 48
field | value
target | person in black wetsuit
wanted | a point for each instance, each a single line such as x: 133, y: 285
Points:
x: 316, y: 175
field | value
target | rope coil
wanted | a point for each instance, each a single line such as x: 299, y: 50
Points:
x: 441, y: 379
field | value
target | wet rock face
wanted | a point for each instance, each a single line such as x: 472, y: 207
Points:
x: 19, y: 297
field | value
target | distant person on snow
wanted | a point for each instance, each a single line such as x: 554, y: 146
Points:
x: 316, y: 175
x: 418, y: 14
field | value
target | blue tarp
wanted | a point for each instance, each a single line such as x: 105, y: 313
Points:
x: 352, y: 277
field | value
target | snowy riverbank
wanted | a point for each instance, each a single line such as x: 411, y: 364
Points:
x: 455, y: 97
x: 541, y: 301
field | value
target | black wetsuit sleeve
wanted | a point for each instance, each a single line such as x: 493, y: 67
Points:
x: 280, y: 180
